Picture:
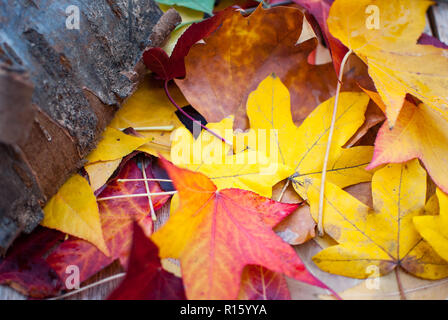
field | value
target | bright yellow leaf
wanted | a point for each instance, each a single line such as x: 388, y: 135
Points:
x: 302, y: 148
x: 384, y: 34
x: 150, y: 107
x: 382, y: 238
x: 419, y: 132
x: 100, y: 172
x: 114, y: 145
x: 74, y: 210
x: 248, y: 170
x: 434, y: 229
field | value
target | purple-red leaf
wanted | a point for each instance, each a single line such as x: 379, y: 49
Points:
x: 25, y: 270
x: 146, y: 279
x: 117, y: 217
x: 168, y: 68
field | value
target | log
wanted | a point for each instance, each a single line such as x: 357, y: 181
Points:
x: 59, y: 88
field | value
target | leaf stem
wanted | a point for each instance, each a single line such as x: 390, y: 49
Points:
x: 285, y: 186
x: 124, y: 196
x: 400, y: 285
x: 154, y: 128
x: 320, y: 228
x: 92, y: 285
x: 147, y: 179
x: 191, y: 118
x: 148, y: 191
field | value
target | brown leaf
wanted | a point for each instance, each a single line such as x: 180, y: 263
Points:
x: 245, y: 50
x: 299, y: 226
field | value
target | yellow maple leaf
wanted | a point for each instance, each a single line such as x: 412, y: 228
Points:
x: 73, y: 210
x: 384, y: 34
x: 150, y: 107
x: 114, y: 145
x: 302, y: 148
x: 434, y: 228
x: 100, y: 172
x: 419, y: 132
x: 248, y: 170
x: 381, y: 239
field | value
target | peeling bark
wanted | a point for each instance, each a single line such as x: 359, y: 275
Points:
x: 59, y: 88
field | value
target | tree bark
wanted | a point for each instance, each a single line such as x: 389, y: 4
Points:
x: 59, y: 88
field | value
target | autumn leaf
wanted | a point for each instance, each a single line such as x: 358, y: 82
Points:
x: 320, y: 10
x: 73, y: 210
x: 117, y: 216
x: 100, y: 172
x: 386, y: 288
x: 433, y: 228
x: 216, y: 233
x: 188, y: 16
x: 24, y: 267
x: 299, y: 226
x: 248, y: 170
x: 259, y: 283
x: 242, y: 52
x: 200, y: 5
x: 149, y: 108
x: 268, y: 108
x: 430, y: 40
x: 115, y: 145
x: 383, y: 238
x: 388, y: 45
x: 145, y: 278
x: 420, y: 133
x: 173, y: 66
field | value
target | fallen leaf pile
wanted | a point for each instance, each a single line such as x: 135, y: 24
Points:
x: 227, y: 209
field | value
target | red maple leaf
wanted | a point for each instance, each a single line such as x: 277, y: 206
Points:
x: 117, y: 217
x: 145, y: 278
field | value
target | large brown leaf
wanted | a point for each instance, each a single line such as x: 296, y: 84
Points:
x: 245, y: 50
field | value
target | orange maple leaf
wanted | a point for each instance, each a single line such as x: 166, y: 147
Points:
x: 215, y: 234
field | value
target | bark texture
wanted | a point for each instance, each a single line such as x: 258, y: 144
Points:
x: 59, y: 88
